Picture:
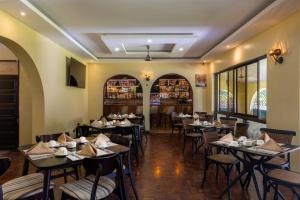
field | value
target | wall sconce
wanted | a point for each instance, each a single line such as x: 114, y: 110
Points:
x: 147, y: 76
x: 277, y: 55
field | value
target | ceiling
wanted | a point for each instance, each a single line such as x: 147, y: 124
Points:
x: 174, y: 29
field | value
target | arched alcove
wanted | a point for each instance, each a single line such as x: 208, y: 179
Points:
x: 122, y: 93
x: 33, y: 116
x: 169, y: 93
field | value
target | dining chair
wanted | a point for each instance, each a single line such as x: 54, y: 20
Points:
x: 241, y: 129
x: 127, y: 162
x: 229, y: 122
x: 280, y: 136
x: 214, y: 155
x: 209, y: 118
x: 24, y: 187
x: 281, y: 177
x: 82, y: 131
x: 95, y: 184
x: 175, y: 123
x: 70, y: 171
x: 189, y: 132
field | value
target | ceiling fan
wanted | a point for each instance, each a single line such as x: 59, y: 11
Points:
x: 148, y: 57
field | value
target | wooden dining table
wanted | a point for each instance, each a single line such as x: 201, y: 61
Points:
x: 252, y: 159
x: 134, y: 129
x: 47, y: 165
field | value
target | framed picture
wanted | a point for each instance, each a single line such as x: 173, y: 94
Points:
x: 200, y: 80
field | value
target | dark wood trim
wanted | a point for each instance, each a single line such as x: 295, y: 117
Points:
x: 251, y: 61
x: 243, y: 116
x: 246, y: 89
x: 258, y: 87
x: 9, y: 61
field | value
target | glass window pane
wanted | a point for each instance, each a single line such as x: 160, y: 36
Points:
x: 252, y: 89
x: 223, y: 93
x: 231, y: 88
x: 263, y: 89
x: 241, y: 93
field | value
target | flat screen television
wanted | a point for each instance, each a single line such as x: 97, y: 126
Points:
x: 75, y: 73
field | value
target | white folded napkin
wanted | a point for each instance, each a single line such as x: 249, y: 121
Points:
x: 97, y: 124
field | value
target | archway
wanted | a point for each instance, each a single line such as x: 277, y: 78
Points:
x: 123, y: 94
x: 32, y: 117
x: 169, y: 93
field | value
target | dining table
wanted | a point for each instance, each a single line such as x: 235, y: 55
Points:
x: 51, y: 163
x: 253, y: 159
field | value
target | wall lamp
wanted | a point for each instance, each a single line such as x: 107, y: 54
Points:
x: 147, y: 76
x: 277, y: 55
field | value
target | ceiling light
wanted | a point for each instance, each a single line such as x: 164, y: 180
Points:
x: 148, y: 57
x: 228, y: 46
x: 23, y: 13
x: 180, y: 49
x: 149, y: 40
x: 117, y: 49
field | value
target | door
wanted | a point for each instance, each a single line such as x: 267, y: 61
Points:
x: 9, y: 111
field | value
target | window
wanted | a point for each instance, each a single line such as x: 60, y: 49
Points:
x: 241, y: 90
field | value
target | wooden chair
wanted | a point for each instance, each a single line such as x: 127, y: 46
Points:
x: 209, y: 118
x: 82, y: 130
x: 212, y: 155
x: 281, y: 177
x: 66, y: 171
x: 280, y: 136
x: 95, y: 184
x: 241, y: 129
x: 188, y: 132
x: 175, y: 123
x: 229, y: 122
x: 22, y: 188
x: 127, y: 169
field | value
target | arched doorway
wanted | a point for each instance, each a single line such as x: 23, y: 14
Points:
x: 122, y: 94
x: 169, y: 93
x: 31, y: 95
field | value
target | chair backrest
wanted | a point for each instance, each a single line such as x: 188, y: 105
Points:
x: 82, y: 130
x: 186, y: 122
x: 173, y: 116
x: 228, y: 120
x: 280, y: 136
x: 209, y: 118
x: 125, y: 141
x: 201, y: 114
x: 100, y: 166
x: 241, y: 129
x: 4, y: 165
x: 48, y: 137
x: 209, y: 135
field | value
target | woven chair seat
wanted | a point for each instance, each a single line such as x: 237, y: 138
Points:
x: 223, y: 158
x: 286, y: 176
x: 178, y: 124
x: 82, y: 188
x: 278, y: 161
x: 24, y: 186
x: 193, y: 134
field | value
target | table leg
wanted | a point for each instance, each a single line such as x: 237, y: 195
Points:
x: 46, y: 184
x: 233, y: 182
x: 25, y: 167
x: 256, y: 185
x: 122, y: 182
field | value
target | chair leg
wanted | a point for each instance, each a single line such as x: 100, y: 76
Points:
x: 276, y: 192
x: 132, y: 182
x: 265, y: 192
x: 217, y: 172
x: 205, y: 171
x: 65, y: 176
x: 64, y: 196
x: 227, y: 173
x: 184, y: 140
x: 76, y: 172
x: 172, y: 130
x: 51, y: 195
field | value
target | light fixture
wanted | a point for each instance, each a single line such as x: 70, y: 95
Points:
x: 147, y: 76
x: 117, y: 49
x: 148, y: 57
x: 228, y: 46
x: 180, y: 49
x: 149, y: 40
x: 276, y: 55
x: 23, y: 13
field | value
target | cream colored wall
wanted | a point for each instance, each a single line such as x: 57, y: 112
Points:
x: 99, y: 73
x: 63, y: 106
x: 283, y: 80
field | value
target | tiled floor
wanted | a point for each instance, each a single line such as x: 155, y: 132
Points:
x: 163, y: 173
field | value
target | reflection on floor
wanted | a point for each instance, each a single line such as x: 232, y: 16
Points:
x: 163, y: 173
